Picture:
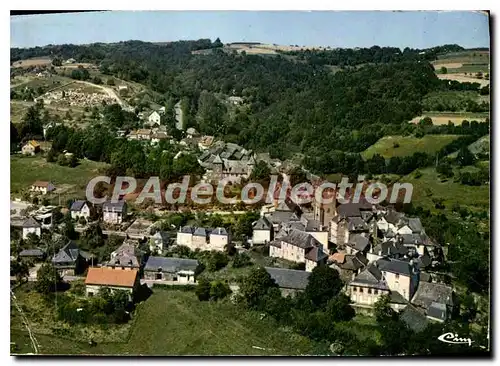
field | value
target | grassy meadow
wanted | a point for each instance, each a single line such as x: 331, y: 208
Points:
x: 388, y: 147
x: 174, y: 322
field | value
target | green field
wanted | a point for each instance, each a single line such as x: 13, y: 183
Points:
x: 429, y: 186
x: 176, y: 323
x: 408, y: 145
x: 25, y: 170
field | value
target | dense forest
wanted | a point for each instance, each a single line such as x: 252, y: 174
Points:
x: 295, y: 104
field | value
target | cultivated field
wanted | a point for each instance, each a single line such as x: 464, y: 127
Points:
x: 26, y: 170
x: 442, y: 118
x: 408, y: 145
x: 462, y: 62
x: 177, y: 323
x: 463, y: 78
x: 41, y: 61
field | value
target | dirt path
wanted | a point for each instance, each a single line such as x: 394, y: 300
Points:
x: 34, y: 341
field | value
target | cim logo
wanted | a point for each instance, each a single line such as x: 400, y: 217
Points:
x: 453, y: 338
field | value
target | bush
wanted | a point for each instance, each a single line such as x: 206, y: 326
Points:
x: 203, y: 290
x: 241, y: 260
x: 219, y: 290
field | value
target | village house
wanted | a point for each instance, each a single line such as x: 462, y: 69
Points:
x: 235, y: 100
x: 70, y: 260
x: 205, y: 142
x: 290, y: 281
x: 114, y: 212
x: 349, y: 217
x: 262, y: 231
x: 219, y: 239
x: 126, y: 257
x: 227, y: 160
x: 114, y: 279
x: 401, y: 276
x: 42, y: 187
x: 31, y: 148
x: 203, y: 239
x: 298, y: 246
x: 159, y: 242
x: 348, y: 265
x: 80, y: 208
x: 32, y: 255
x: 191, y: 132
x: 154, y: 119
x: 414, y: 318
x: 31, y: 226
x: 367, y: 287
x: 436, y: 300
x: 171, y: 269
x: 159, y: 136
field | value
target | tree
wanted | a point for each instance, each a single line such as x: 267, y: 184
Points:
x: 57, y: 61
x: 216, y: 261
x: 219, y: 290
x: 324, y: 283
x: 19, y: 269
x: 339, y: 309
x: 444, y: 168
x: 241, y: 260
x: 465, y: 157
x: 203, y: 290
x: 218, y: 43
x: 32, y: 123
x: 261, y: 171
x: 444, y: 70
x: 382, y: 309
x: 47, y: 278
x: 255, y: 286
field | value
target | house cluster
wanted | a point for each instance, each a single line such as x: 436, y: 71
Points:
x: 292, y: 235
x: 203, y: 238
x: 227, y: 160
x: 152, y: 135
x: 376, y: 251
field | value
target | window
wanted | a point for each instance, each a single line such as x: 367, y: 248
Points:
x: 375, y: 292
x: 361, y: 290
x: 397, y: 275
x: 354, y: 289
x: 369, y: 290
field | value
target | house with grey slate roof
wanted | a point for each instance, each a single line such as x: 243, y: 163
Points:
x: 290, y: 281
x: 70, y: 260
x: 114, y: 212
x: 35, y: 254
x: 367, y: 287
x: 300, y: 247
x: 203, y: 238
x: 437, y: 300
x: 126, y: 256
x: 262, y: 231
x: 31, y: 226
x: 227, y: 160
x: 171, y: 269
x: 80, y: 208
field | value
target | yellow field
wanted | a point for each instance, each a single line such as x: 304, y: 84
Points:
x: 42, y: 61
x: 455, y: 118
x: 463, y: 78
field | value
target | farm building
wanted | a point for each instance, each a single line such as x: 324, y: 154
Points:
x: 171, y: 269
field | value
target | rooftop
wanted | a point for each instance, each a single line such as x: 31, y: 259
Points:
x: 111, y: 277
x: 289, y: 278
x: 170, y: 264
